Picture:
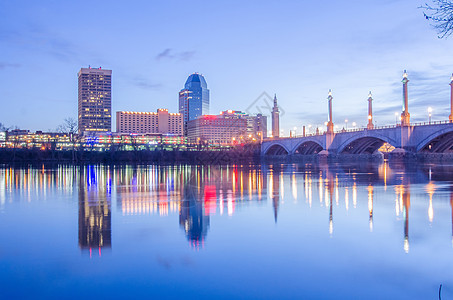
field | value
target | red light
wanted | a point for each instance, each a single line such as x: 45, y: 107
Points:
x: 210, y: 199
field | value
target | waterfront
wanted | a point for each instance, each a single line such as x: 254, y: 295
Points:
x: 368, y: 231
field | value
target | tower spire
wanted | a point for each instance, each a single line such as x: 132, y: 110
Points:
x: 275, y: 119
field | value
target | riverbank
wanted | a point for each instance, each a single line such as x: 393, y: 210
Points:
x: 243, y: 154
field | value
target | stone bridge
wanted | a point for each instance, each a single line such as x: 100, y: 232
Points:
x: 435, y: 137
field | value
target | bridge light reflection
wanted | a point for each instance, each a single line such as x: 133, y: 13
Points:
x: 370, y: 205
x: 430, y: 189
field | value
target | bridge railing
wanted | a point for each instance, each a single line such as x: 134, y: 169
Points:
x: 356, y: 129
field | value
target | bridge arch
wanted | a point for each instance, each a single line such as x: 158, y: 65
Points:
x: 365, y: 143
x: 276, y: 149
x: 307, y: 147
x: 437, y: 142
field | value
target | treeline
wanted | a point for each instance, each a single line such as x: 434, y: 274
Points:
x: 242, y: 154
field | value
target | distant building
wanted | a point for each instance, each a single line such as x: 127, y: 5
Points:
x: 257, y: 126
x: 161, y: 122
x: 194, y: 99
x: 229, y: 127
x: 275, y: 119
x: 95, y: 100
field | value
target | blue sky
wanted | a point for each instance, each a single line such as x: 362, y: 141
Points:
x: 296, y: 49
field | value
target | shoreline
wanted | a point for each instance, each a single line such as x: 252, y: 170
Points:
x: 238, y: 155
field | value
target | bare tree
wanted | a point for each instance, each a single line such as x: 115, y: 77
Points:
x: 69, y: 126
x: 440, y: 13
x: 3, y: 127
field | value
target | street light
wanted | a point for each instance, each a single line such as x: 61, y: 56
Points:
x: 354, y: 124
x: 396, y: 118
x: 346, y: 121
x: 430, y: 110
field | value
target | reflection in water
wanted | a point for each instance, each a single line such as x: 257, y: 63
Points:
x: 193, y: 217
x: 330, y: 193
x: 194, y: 194
x: 95, y: 224
x: 406, y: 196
x: 370, y: 205
x: 430, y: 188
x: 451, y: 205
x: 274, y: 179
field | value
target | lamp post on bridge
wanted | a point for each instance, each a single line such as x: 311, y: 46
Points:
x: 430, y: 110
x: 370, y: 112
x: 405, y: 116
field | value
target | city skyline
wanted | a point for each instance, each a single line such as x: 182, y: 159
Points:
x: 350, y: 49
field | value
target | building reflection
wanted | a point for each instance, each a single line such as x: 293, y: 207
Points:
x: 148, y: 190
x: 28, y: 182
x: 194, y: 192
x: 193, y: 218
x: 95, y: 219
x: 275, y: 174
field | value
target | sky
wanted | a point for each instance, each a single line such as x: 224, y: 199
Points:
x: 297, y: 50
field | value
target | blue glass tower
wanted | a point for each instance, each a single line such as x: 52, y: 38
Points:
x: 194, y: 99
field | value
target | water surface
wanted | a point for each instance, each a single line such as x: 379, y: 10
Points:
x: 314, y: 231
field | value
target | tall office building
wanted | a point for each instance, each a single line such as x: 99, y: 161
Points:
x: 95, y: 100
x: 194, y: 99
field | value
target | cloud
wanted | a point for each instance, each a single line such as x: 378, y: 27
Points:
x: 171, y: 55
x: 144, y: 84
x: 164, y: 54
x: 36, y: 39
x: 186, y: 55
x: 4, y: 65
